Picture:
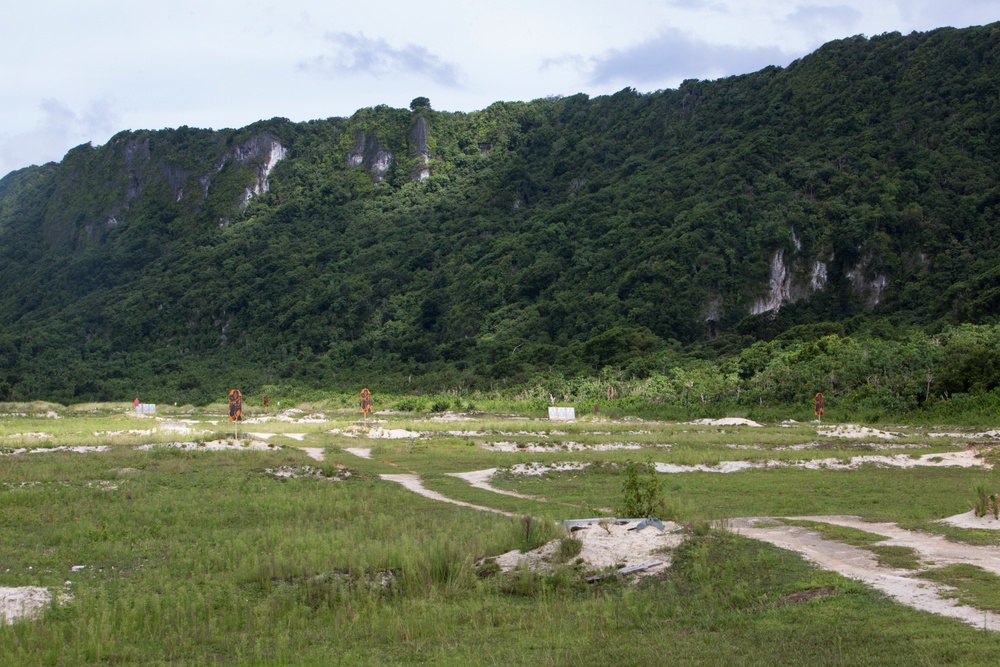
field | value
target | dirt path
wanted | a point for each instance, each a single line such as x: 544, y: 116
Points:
x: 856, y: 563
x: 362, y: 452
x: 480, y: 479
x: 931, y: 548
x: 414, y: 483
x: 315, y: 453
x: 860, y: 564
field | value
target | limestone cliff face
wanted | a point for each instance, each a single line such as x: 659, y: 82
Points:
x: 261, y: 153
x: 868, y: 283
x: 789, y: 283
x: 418, y: 139
x: 135, y: 172
x: 371, y: 155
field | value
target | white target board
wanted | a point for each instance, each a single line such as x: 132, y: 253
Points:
x: 562, y: 414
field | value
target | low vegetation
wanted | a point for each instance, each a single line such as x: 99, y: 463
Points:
x: 194, y: 556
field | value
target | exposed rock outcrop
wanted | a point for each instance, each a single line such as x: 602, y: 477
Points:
x: 788, y: 283
x: 369, y: 153
x: 418, y: 137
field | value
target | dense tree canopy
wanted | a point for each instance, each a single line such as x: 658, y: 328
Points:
x: 766, y: 234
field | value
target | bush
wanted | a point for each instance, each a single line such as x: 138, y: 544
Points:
x: 641, y: 492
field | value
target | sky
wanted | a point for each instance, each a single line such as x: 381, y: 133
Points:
x: 78, y: 71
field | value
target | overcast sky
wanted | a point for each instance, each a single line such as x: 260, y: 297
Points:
x: 73, y: 71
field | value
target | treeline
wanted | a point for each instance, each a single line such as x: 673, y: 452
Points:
x: 630, y: 238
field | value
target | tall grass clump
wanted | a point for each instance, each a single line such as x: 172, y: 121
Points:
x: 986, y: 503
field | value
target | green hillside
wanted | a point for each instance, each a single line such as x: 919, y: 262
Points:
x: 754, y: 238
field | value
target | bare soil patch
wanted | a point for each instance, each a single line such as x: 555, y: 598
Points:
x: 725, y: 421
x: 970, y: 520
x: 856, y: 431
x: 414, y: 483
x: 362, y: 452
x: 22, y: 603
x: 315, y: 453
x: 861, y: 565
x: 607, y: 545
x: 963, y: 459
x: 375, y: 431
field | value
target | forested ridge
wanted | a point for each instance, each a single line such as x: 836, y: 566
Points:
x: 830, y: 226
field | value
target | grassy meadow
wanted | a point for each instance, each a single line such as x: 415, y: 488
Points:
x: 196, y: 556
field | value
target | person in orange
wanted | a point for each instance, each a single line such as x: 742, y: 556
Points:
x: 136, y: 402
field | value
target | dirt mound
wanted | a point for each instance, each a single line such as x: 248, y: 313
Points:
x: 856, y: 431
x: 725, y: 421
x: 607, y: 545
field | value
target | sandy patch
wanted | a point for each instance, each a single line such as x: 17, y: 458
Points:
x: 315, y: 453
x: 298, y: 472
x: 970, y: 520
x: 537, y: 469
x: 256, y: 420
x: 413, y: 483
x: 362, y: 452
x: 22, y: 603
x: 932, y: 548
x: 375, y: 431
x: 216, y: 445
x: 722, y: 467
x: 963, y: 459
x: 62, y: 448
x: 860, y: 564
x: 292, y: 415
x: 607, y: 545
x: 36, y: 434
x: 267, y: 436
x: 725, y: 421
x: 535, y: 447
x: 986, y: 435
x: 176, y: 427
x: 481, y: 480
x: 133, y: 431
x: 856, y: 431
x: 878, y: 446
x: 450, y: 417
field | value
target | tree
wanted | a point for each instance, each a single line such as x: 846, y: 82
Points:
x: 420, y: 103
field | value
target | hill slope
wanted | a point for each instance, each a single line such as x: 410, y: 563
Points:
x: 559, y: 235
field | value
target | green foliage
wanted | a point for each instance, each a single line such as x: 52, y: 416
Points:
x: 641, y: 494
x: 986, y: 503
x: 591, y: 248
x: 420, y: 103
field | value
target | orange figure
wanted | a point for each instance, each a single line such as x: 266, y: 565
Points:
x: 235, y: 405
x: 366, y: 402
x: 819, y: 405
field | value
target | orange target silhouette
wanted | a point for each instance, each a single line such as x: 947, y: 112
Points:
x: 366, y: 401
x: 235, y: 405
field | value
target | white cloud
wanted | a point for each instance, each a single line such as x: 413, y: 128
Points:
x: 58, y: 129
x: 227, y: 64
x: 839, y: 19
x: 357, y: 54
x: 672, y: 56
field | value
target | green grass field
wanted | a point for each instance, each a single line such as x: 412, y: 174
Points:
x: 193, y: 556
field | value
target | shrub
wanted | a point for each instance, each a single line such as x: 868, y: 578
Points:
x: 641, y: 492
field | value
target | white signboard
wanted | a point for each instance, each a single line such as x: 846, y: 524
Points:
x: 562, y: 414
x: 145, y: 409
